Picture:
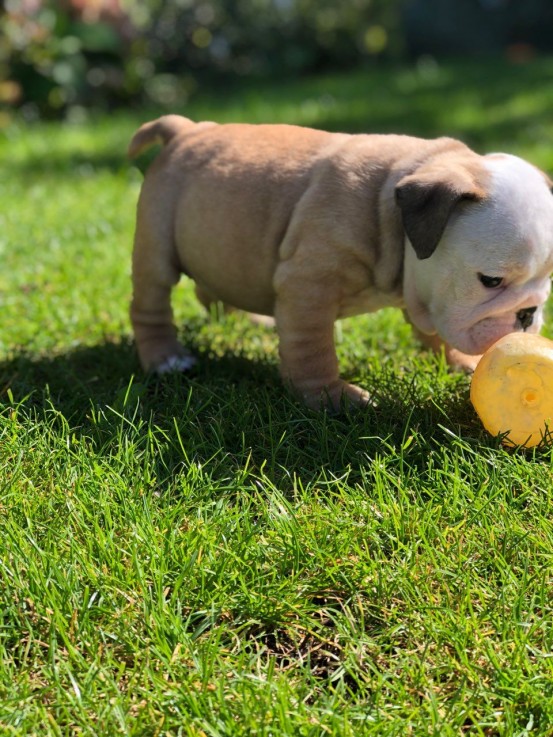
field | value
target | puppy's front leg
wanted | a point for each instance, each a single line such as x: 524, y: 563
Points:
x: 457, y: 360
x: 308, y: 361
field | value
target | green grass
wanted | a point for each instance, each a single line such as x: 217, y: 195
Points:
x: 203, y: 556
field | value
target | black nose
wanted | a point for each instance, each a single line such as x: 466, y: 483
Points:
x: 526, y: 317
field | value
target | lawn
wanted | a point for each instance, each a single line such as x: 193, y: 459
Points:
x: 201, y: 555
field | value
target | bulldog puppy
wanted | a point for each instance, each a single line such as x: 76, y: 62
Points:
x: 310, y: 226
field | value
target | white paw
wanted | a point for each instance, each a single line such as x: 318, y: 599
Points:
x: 176, y: 363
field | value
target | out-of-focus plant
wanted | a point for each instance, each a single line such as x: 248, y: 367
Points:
x: 55, y: 55
x: 269, y: 36
x: 67, y: 55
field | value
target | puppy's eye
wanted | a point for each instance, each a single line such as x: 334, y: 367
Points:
x: 490, y: 282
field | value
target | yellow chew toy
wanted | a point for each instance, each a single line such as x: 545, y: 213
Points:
x: 512, y: 388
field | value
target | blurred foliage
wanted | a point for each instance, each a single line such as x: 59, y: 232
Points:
x: 521, y: 27
x: 66, y: 55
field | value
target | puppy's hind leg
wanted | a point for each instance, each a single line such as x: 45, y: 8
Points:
x: 154, y: 274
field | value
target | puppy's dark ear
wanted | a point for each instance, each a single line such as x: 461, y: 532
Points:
x: 427, y: 199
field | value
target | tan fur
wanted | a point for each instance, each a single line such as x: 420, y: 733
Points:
x: 291, y: 222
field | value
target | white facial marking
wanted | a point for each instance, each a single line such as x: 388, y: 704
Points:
x: 508, y: 235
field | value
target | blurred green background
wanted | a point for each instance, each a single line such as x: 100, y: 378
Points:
x: 62, y: 58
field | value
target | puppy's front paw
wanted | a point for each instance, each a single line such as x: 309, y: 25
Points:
x: 461, y: 361
x: 457, y: 360
x: 337, y: 397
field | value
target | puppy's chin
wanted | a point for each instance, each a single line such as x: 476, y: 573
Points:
x: 483, y: 334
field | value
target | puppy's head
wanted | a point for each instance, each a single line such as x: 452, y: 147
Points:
x: 479, y: 250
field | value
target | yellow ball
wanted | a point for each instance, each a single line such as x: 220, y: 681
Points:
x: 512, y: 389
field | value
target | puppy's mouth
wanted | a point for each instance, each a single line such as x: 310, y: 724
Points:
x: 474, y: 331
x: 483, y: 334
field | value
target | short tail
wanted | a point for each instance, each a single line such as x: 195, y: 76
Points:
x: 160, y: 131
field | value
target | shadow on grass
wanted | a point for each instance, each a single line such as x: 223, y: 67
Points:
x: 231, y: 412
